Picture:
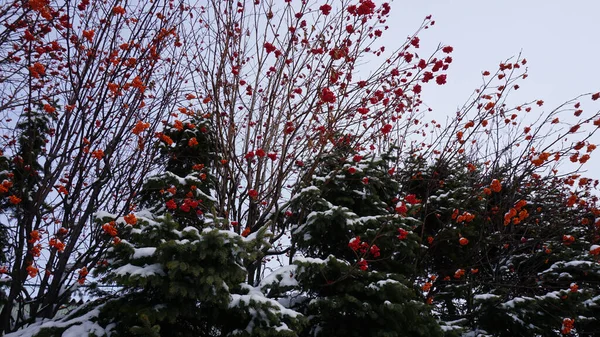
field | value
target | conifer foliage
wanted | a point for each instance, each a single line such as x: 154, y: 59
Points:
x: 357, y: 253
x: 508, y: 256
x: 177, y: 267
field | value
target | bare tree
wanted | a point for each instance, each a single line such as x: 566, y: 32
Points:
x: 282, y: 82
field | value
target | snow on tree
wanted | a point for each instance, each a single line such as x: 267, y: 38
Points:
x: 356, y: 253
x: 178, y: 268
x: 508, y: 255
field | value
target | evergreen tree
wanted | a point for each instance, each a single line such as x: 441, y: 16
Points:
x: 508, y: 255
x: 20, y: 177
x: 178, y: 267
x: 357, y: 253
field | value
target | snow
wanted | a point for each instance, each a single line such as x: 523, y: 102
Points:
x: 305, y: 190
x: 183, y: 181
x: 256, y: 296
x: 553, y: 294
x: 101, y: 215
x: 298, y: 228
x: 79, y: 326
x: 511, y: 303
x: 363, y: 220
x: 592, y: 302
x: 86, y: 328
x: 476, y: 333
x: 362, y: 193
x: 136, y: 231
x: 562, y: 264
x: 145, y: 213
x: 251, y: 237
x: 180, y: 180
x: 143, y: 252
x: 147, y: 216
x: 125, y: 242
x: 308, y: 189
x: 312, y: 260
x: 230, y: 234
x: 283, y: 276
x: 311, y: 215
x: 314, y: 215
x: 438, y: 197
x: 446, y: 328
x: 282, y: 327
x: 380, y: 284
x: 564, y: 276
x: 517, y: 319
x: 146, y: 270
x: 483, y: 297
x: 191, y: 229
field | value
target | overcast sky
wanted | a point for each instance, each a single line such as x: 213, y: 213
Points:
x: 559, y: 39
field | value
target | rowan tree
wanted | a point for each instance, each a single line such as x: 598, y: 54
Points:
x: 510, y: 231
x: 283, y: 83
x: 85, y: 85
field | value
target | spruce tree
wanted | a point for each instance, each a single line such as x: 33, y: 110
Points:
x: 507, y: 255
x: 177, y: 267
x: 356, y: 253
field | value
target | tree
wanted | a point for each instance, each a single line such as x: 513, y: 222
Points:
x: 85, y: 86
x: 355, y: 276
x: 511, y: 241
x: 92, y: 87
x: 178, y: 267
x: 283, y: 82
x: 508, y: 260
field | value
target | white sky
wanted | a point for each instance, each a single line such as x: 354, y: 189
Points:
x: 559, y: 39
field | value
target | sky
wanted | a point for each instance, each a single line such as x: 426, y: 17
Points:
x: 559, y: 39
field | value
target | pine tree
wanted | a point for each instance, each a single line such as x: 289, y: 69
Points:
x: 177, y: 266
x: 20, y: 178
x: 357, y: 254
x: 507, y: 256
